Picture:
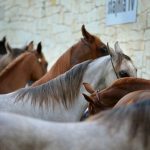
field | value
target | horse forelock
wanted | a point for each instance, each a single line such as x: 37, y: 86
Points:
x: 63, y: 89
x: 138, y: 115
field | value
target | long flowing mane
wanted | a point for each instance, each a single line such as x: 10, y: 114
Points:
x: 62, y: 89
x: 10, y: 66
x: 138, y: 114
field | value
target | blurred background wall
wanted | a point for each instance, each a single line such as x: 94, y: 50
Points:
x: 57, y: 24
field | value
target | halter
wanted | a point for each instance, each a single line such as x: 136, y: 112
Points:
x: 112, y: 61
x: 114, y: 71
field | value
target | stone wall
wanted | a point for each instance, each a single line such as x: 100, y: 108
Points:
x: 57, y: 24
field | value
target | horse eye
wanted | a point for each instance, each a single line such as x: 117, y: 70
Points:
x: 123, y: 74
x: 103, y: 49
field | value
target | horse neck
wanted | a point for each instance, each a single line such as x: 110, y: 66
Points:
x: 121, y: 88
x: 95, y: 75
x: 138, y: 84
x: 131, y: 84
x: 16, y: 74
x: 133, y: 97
x: 98, y: 71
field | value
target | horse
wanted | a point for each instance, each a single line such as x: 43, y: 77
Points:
x: 120, y: 128
x: 29, y: 65
x: 61, y: 99
x: 133, y: 97
x: 12, y: 53
x: 89, y: 47
x: 108, y: 97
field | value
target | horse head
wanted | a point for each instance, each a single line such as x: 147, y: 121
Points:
x: 90, y: 47
x: 40, y: 66
x: 122, y: 64
x: 94, y: 43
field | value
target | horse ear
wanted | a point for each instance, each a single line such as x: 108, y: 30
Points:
x: 39, y: 48
x: 117, y: 48
x: 88, y: 98
x: 4, y: 39
x: 88, y: 87
x: 111, y: 52
x: 30, y: 46
x: 8, y: 48
x: 87, y: 35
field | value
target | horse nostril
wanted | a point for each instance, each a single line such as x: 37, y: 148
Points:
x: 123, y: 74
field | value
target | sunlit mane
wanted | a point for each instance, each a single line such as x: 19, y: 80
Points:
x: 138, y: 115
x: 14, y: 63
x: 62, y: 89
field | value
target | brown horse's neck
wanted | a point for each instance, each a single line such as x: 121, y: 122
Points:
x: 132, y: 84
x: 114, y: 93
x: 17, y: 73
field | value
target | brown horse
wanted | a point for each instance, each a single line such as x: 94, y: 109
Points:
x: 134, y: 97
x: 107, y: 98
x: 89, y: 47
x: 30, y: 65
x: 12, y: 53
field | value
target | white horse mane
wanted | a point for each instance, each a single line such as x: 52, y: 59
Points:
x: 56, y: 88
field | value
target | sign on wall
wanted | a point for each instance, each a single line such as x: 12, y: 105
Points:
x: 120, y: 11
